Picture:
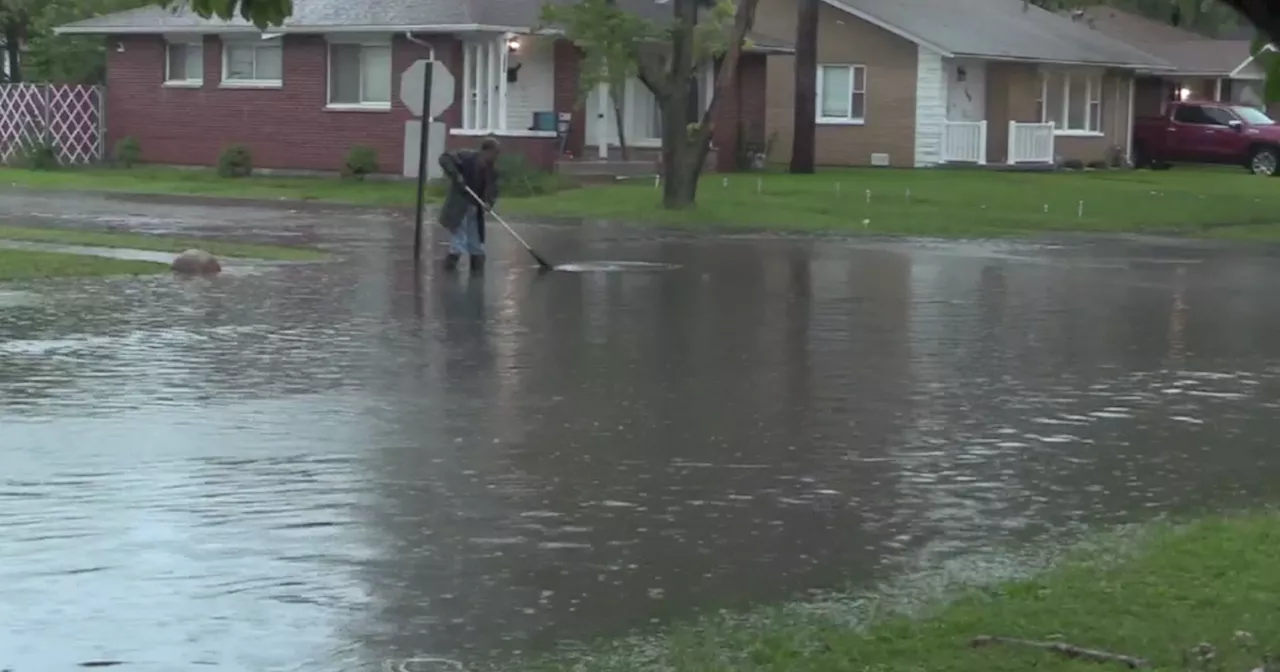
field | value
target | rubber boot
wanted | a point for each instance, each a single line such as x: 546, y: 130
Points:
x: 451, y: 262
x: 477, y: 263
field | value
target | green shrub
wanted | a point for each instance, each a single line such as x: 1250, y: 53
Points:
x: 37, y: 153
x: 516, y: 178
x: 235, y: 161
x: 361, y: 160
x: 127, y: 152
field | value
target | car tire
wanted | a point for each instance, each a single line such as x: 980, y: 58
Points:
x: 1264, y: 161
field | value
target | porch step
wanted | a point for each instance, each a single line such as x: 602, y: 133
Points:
x: 583, y: 168
x: 1001, y: 167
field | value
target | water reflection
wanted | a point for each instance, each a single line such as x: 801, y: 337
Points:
x: 318, y: 467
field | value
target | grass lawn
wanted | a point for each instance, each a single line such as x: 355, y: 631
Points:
x: 140, y: 241
x: 1196, y: 201
x: 26, y: 265
x: 951, y: 203
x: 178, y: 182
x: 1155, y: 598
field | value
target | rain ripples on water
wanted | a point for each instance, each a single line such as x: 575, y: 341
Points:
x: 322, y: 466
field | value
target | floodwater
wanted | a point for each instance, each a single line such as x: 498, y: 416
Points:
x: 319, y: 467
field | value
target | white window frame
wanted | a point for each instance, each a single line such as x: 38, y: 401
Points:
x: 851, y: 119
x: 265, y: 41
x: 378, y: 42
x: 1093, y: 96
x: 195, y: 43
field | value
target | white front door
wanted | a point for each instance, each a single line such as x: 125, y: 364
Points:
x: 966, y: 90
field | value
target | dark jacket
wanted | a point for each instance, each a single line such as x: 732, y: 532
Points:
x: 465, y: 166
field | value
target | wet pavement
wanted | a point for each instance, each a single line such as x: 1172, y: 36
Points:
x: 318, y: 467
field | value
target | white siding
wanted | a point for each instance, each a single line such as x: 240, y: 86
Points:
x: 931, y: 107
x: 534, y: 88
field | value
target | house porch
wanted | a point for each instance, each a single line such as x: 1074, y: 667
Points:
x: 1023, y: 115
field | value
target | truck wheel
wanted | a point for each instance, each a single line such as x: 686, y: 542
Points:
x: 1263, y: 161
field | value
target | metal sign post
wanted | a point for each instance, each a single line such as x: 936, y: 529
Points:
x: 423, y: 144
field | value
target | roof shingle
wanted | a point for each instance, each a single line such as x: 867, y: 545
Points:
x: 1190, y: 53
x: 1002, y: 29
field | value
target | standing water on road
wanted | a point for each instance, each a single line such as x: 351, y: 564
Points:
x: 319, y: 467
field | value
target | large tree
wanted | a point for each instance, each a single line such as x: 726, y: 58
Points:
x: 666, y: 57
x: 15, y: 26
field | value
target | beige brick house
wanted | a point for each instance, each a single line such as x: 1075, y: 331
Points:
x: 927, y: 82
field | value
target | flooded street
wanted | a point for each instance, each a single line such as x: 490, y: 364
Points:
x: 321, y: 466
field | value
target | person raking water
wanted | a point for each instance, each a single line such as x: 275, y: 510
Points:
x: 474, y: 176
x: 473, y: 173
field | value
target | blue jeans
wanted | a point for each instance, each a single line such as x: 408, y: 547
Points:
x: 466, y: 238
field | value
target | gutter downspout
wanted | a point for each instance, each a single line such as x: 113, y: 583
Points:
x: 1133, y: 84
x: 431, y: 50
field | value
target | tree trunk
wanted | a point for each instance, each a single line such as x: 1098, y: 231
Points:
x: 676, y: 192
x: 684, y: 147
x: 803, y: 138
x: 13, y: 51
x: 617, y: 120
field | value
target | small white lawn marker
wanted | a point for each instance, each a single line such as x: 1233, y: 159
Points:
x: 656, y: 179
x: 908, y: 194
x: 759, y: 185
x: 866, y: 223
x: 1080, y: 210
x: 868, y: 195
x: 1046, y: 207
x: 837, y: 190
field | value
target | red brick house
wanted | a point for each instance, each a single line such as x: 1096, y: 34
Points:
x: 301, y: 95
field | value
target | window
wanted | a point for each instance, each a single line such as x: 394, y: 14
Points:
x: 1202, y: 115
x: 184, y: 63
x: 842, y: 94
x: 1253, y: 116
x: 1072, y: 101
x: 256, y: 63
x: 360, y: 75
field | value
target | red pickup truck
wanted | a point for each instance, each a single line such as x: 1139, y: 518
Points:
x: 1204, y: 132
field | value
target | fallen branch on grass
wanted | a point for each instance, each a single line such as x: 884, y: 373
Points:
x: 1066, y: 650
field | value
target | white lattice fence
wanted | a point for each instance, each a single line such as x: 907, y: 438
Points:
x: 67, y: 116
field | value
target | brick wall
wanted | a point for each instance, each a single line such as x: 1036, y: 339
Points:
x: 891, y: 64
x: 741, y: 109
x: 567, y: 73
x: 284, y: 128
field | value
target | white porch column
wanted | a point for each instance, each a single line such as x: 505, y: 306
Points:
x: 1217, y: 90
x: 602, y: 119
x: 468, y: 85
x: 494, y: 62
x: 503, y: 61
x: 982, y: 143
x: 1013, y: 142
x: 482, y: 87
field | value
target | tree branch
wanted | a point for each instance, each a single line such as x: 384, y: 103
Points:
x: 727, y: 74
x: 1066, y: 650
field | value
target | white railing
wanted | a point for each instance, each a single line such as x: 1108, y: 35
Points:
x: 964, y: 142
x: 1030, y: 143
x: 66, y: 118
